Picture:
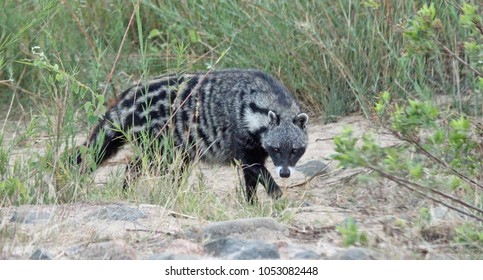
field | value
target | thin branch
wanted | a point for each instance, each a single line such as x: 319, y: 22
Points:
x: 439, y: 161
x: 435, y: 159
x: 113, y: 67
x: 478, y: 25
x: 120, y: 47
x: 8, y: 113
x: 448, y: 51
x: 324, y: 139
x: 409, y: 185
x: 445, y: 165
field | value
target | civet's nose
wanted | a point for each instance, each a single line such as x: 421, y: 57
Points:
x: 284, y: 172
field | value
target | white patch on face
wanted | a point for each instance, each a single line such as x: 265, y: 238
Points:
x: 254, y: 121
x: 277, y: 170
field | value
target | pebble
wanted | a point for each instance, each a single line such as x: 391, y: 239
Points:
x: 31, y: 216
x: 107, y: 250
x: 237, y: 249
x: 40, y: 254
x: 312, y: 167
x: 118, y: 213
x: 306, y: 255
x: 171, y: 256
x: 251, y: 228
x: 353, y: 254
x: 183, y: 247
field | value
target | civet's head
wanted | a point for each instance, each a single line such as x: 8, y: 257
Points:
x: 285, y: 141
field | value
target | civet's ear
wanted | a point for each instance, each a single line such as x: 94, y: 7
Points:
x: 273, y: 119
x: 301, y: 120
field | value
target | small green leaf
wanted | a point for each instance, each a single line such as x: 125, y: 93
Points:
x: 154, y: 33
x: 59, y: 77
x: 75, y: 88
x: 424, y: 215
x: 461, y: 124
x: 372, y: 4
x: 416, y: 171
x: 385, y: 96
x: 100, y: 100
x: 455, y: 183
x: 88, y: 107
x: 379, y: 107
x: 92, y: 119
x: 438, y: 137
x: 194, y: 38
x: 469, y: 17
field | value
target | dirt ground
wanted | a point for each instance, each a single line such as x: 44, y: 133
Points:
x: 385, y: 213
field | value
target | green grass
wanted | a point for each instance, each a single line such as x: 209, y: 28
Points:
x: 335, y: 56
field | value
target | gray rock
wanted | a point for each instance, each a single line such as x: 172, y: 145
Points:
x: 183, y: 247
x: 293, y: 251
x: 31, y: 216
x: 306, y: 203
x: 354, y: 254
x: 252, y: 228
x: 108, y: 250
x: 169, y: 256
x: 319, y: 216
x: 237, y: 249
x: 193, y: 234
x: 117, y: 213
x: 40, y: 254
x: 442, y: 215
x: 312, y: 167
x: 306, y: 255
x: 215, y: 247
x: 432, y: 256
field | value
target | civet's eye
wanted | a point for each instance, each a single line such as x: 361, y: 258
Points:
x: 294, y: 151
x: 277, y: 150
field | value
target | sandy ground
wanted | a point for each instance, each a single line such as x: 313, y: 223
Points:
x: 386, y: 213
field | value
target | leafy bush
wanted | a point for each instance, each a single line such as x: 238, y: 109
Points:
x: 440, y: 149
